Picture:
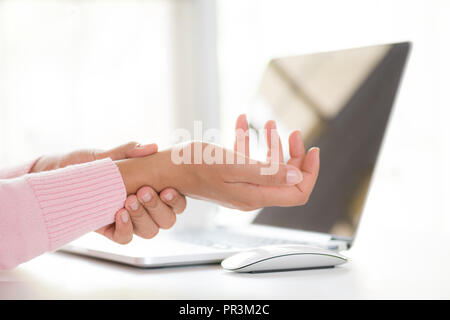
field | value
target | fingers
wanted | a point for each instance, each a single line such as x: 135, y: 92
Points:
x: 272, y: 174
x: 143, y: 224
x: 121, y: 231
x: 149, y: 212
x: 274, y: 146
x: 302, y: 191
x: 129, y: 150
x: 310, y: 169
x: 124, y: 228
x: 270, y: 194
x: 242, y: 141
x: 309, y: 164
x: 291, y: 196
x: 173, y: 199
x: 160, y: 213
x: 145, y: 213
x: 296, y: 149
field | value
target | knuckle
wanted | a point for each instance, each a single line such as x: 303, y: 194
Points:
x: 138, y: 213
x: 154, y: 199
x: 153, y: 203
x: 270, y: 178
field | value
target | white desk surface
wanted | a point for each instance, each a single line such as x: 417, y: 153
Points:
x: 402, y: 250
x: 405, y: 269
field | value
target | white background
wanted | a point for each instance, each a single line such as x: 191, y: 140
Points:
x: 83, y: 74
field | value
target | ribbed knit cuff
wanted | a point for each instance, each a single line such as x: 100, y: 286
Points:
x: 78, y: 199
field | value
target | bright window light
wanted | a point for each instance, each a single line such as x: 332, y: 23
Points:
x: 77, y: 74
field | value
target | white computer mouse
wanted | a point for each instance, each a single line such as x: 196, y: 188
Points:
x: 282, y: 257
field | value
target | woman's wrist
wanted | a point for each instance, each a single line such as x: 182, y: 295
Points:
x: 139, y: 172
x: 129, y: 170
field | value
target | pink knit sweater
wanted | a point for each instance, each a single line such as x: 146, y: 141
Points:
x: 41, y: 212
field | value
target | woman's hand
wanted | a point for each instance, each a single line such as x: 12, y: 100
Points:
x: 239, y: 184
x: 307, y: 162
x: 148, y: 210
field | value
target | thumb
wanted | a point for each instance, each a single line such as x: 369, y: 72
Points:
x: 129, y: 150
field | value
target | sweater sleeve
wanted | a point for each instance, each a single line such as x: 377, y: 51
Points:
x: 43, y: 211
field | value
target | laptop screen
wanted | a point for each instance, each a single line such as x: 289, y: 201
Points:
x: 341, y: 102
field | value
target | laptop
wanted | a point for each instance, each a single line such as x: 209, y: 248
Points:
x: 341, y: 101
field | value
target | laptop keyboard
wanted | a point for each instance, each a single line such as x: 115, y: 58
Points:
x: 225, y: 239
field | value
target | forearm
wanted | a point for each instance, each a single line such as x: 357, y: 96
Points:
x: 44, y: 211
x: 160, y: 172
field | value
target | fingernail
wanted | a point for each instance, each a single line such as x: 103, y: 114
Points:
x: 168, y: 196
x: 124, y: 217
x: 293, y: 176
x: 134, y: 206
x: 146, y: 197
